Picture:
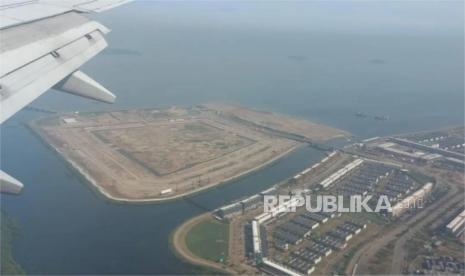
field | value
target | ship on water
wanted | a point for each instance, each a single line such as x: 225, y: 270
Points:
x: 381, y: 118
x: 376, y: 117
x: 361, y: 115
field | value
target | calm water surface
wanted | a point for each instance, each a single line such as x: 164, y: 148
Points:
x: 178, y: 54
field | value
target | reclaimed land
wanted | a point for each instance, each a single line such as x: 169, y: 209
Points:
x: 152, y: 155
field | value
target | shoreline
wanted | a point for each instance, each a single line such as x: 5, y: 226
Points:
x: 35, y: 128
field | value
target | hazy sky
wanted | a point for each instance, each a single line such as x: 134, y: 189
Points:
x: 445, y: 17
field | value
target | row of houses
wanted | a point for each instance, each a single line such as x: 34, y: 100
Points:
x: 298, y: 228
x: 337, y: 238
x: 457, y: 226
x: 398, y: 185
x: 259, y: 238
x: 364, y: 179
x: 340, y: 173
x: 412, y: 201
x: 306, y: 171
x: 266, y: 217
x: 303, y: 261
x: 237, y: 208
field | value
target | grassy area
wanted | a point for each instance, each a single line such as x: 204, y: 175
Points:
x: 383, y: 259
x: 209, y: 240
x: 341, y: 266
x: 8, y: 230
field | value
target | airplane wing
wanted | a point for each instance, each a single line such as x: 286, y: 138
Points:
x: 42, y: 45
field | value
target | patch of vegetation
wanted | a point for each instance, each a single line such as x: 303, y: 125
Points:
x: 341, y: 266
x: 8, y: 231
x: 382, y: 260
x: 416, y: 245
x: 209, y: 240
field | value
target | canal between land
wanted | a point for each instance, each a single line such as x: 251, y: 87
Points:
x: 66, y: 228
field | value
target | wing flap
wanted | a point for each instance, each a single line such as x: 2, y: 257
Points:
x: 27, y: 13
x: 25, y: 84
x: 100, y: 5
x: 28, y: 42
x: 82, y: 85
x: 9, y: 184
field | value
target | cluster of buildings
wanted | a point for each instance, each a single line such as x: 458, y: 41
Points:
x: 451, y: 144
x: 397, y: 185
x: 338, y: 237
x: 433, y: 148
x: 281, y: 243
x: 298, y: 228
x: 364, y: 180
x: 292, y: 233
x: 303, y: 259
x: 340, y: 173
x: 367, y: 177
x: 442, y: 265
x: 442, y: 140
x: 457, y: 226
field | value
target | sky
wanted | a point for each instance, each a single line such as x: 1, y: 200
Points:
x: 444, y: 17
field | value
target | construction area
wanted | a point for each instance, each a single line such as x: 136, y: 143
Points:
x: 159, y: 154
x: 421, y: 233
x: 302, y: 242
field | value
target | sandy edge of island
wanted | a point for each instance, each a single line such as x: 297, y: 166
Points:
x: 96, y: 187
x: 178, y: 242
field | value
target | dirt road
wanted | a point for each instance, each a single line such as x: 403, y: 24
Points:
x: 399, y: 251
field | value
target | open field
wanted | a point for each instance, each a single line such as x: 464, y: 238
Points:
x: 209, y: 240
x: 168, y: 148
x: 184, y: 233
x: 161, y: 154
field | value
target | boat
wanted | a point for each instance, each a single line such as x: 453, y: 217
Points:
x: 381, y: 118
x: 360, y: 114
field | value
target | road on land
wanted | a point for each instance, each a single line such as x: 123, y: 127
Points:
x: 363, y: 256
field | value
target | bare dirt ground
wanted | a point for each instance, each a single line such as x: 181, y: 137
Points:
x: 281, y: 122
x: 153, y: 155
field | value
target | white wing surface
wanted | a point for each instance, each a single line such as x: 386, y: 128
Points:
x: 42, y: 45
